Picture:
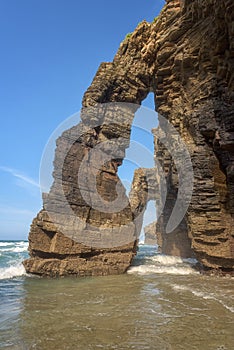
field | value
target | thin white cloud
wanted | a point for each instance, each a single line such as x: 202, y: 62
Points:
x: 5, y: 209
x: 17, y: 174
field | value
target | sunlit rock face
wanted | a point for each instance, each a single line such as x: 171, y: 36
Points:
x: 149, y: 231
x: 186, y: 57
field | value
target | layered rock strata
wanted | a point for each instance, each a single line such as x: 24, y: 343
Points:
x: 77, y: 232
x: 194, y: 91
x: 186, y: 57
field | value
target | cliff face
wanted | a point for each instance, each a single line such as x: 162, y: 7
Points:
x: 186, y: 57
x: 77, y: 232
x: 194, y: 90
x: 150, y: 236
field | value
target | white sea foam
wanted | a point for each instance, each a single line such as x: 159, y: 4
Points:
x: 163, y: 264
x: 203, y: 295
x: 12, y: 255
x: 21, y: 243
x: 19, y: 248
x: 6, y: 244
x: 167, y: 259
x: 212, y: 296
x: 15, y: 270
x: 169, y: 270
x: 179, y: 287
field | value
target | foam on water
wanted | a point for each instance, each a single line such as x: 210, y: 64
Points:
x: 152, y: 269
x: 11, y: 256
x: 163, y: 264
x: 5, y: 244
x: 15, y: 270
x: 115, y: 312
x: 15, y: 249
x: 167, y: 260
x: 202, y: 294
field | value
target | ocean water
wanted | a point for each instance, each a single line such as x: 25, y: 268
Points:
x: 162, y: 303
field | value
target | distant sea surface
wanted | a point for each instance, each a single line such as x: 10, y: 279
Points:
x: 162, y: 303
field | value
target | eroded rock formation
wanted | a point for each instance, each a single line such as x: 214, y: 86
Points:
x: 76, y: 233
x: 150, y: 236
x: 194, y: 90
x: 186, y: 57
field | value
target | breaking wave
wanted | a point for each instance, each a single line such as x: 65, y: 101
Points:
x: 163, y: 264
x: 11, y: 256
x: 15, y: 270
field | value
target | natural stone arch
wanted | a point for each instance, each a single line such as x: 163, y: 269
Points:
x: 185, y: 57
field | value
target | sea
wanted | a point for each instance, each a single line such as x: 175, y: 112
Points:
x: 161, y: 303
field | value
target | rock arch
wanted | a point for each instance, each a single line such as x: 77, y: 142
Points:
x: 186, y: 58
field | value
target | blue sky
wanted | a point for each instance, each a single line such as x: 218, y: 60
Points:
x: 50, y: 51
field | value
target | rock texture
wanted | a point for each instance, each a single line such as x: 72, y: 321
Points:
x: 194, y: 90
x: 75, y: 233
x: 186, y: 57
x: 150, y: 234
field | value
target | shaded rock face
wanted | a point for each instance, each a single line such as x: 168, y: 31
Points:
x: 186, y: 57
x: 150, y: 234
x: 194, y: 90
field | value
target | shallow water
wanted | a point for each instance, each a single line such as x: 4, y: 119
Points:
x: 162, y: 303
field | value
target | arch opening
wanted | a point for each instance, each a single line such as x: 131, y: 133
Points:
x: 142, y: 145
